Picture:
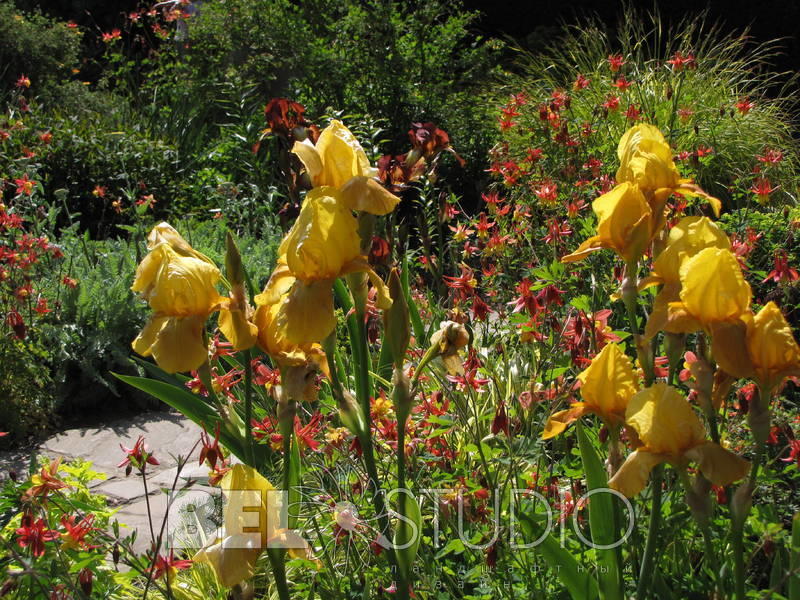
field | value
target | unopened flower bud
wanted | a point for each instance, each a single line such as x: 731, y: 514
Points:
x: 350, y: 414
x: 401, y: 396
x: 85, y: 581
x: 396, y: 322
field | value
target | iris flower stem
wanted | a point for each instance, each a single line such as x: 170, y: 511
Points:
x: 248, y: 408
x: 360, y: 349
x: 645, y: 572
x: 276, y: 561
x: 738, y: 521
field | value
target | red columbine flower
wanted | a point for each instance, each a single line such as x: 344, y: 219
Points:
x: 464, y: 284
x: 23, y: 82
x: 556, y: 230
x: 581, y: 83
x: 25, y: 185
x: 684, y: 114
x: 500, y: 421
x: 679, y: 61
x: 782, y: 271
x: 41, y: 306
x: 138, y: 457
x: 632, y: 114
x: 615, y: 61
x: 74, y: 535
x: 770, y: 156
x: 621, y: 83
x: 210, y: 452
x: 547, y: 192
x: 533, y: 155
x: 744, y: 105
x: 762, y: 188
x: 305, y: 434
x: 69, y: 282
x: 168, y: 566
x: 115, y: 34
x: 99, y: 191
x: 33, y: 534
x: 794, y: 452
x: 45, y: 481
x: 480, y: 310
x: 611, y: 103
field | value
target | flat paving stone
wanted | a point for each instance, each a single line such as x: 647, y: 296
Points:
x: 165, y: 434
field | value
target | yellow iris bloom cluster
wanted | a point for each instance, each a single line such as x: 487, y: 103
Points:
x: 634, y: 212
x: 703, y: 289
x: 295, y: 311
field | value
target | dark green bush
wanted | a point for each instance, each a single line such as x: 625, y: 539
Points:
x: 40, y: 48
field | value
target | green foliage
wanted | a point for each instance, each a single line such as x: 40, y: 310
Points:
x: 728, y: 69
x: 40, y: 48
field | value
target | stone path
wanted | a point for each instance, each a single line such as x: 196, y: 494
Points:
x: 167, y: 435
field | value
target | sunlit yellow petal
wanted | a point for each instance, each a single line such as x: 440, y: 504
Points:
x: 560, y: 420
x: 646, y: 159
x: 342, y: 156
x: 664, y: 420
x: 608, y: 383
x: 366, y: 194
x: 635, y: 471
x: 306, y: 314
x: 712, y: 286
x: 688, y: 237
x: 323, y: 239
x: 772, y: 347
x: 237, y: 329
x: 310, y: 158
x: 718, y: 465
x: 233, y: 559
x: 176, y: 343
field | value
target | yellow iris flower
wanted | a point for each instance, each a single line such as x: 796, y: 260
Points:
x: 181, y: 290
x: 761, y: 347
x: 624, y: 224
x: 297, y: 362
x: 688, y: 237
x: 322, y: 245
x: 607, y: 386
x: 713, y: 291
x: 251, y: 502
x: 338, y: 161
x: 179, y: 283
x: 670, y: 431
x: 646, y: 159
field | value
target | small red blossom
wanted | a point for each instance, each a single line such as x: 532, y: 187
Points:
x: 770, y: 156
x: 621, y: 83
x: 168, y: 566
x: 24, y: 185
x: 111, y: 36
x: 781, y: 270
x: 547, y: 192
x: 581, y: 83
x: 74, y: 535
x: 615, y: 62
x: 69, y: 282
x: 794, y: 452
x: 34, y: 534
x: 632, y: 113
x: 23, y: 82
x: 138, y: 457
x: 684, y: 114
x: 744, y: 106
x: 611, y: 103
x: 679, y: 61
x: 762, y: 188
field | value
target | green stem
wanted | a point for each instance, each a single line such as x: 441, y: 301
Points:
x: 248, y: 408
x: 738, y: 519
x: 647, y: 566
x: 279, y: 572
